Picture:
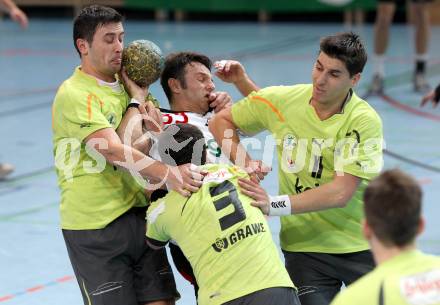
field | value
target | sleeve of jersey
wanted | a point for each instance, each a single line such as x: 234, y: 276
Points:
x: 360, y: 153
x: 82, y: 115
x: 156, y: 224
x: 255, y: 112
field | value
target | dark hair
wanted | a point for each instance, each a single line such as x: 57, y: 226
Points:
x: 348, y: 48
x: 182, y: 143
x: 89, y: 19
x: 392, y: 204
x: 175, y: 65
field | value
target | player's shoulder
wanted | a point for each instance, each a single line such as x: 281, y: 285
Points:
x: 362, y: 113
x: 282, y: 90
x: 74, y: 88
x: 165, y: 205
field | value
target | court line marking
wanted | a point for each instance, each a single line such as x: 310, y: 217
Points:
x: 37, y: 288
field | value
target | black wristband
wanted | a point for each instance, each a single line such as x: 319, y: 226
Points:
x: 133, y: 105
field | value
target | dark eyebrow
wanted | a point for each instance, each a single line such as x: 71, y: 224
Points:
x: 203, y: 74
x: 114, y: 34
x: 335, y: 71
x: 331, y: 71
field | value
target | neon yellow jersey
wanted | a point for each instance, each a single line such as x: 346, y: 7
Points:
x: 93, y: 192
x: 226, y: 240
x: 411, y: 278
x: 309, y: 152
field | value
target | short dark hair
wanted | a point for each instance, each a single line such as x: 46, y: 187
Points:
x: 89, y: 19
x: 182, y: 143
x: 348, y: 48
x: 393, y: 204
x: 175, y: 64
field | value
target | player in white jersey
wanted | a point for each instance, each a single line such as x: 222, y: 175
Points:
x: 188, y: 85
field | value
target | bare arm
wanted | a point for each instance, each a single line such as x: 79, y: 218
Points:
x: 184, y: 179
x: 232, y: 71
x: 225, y: 133
x: 137, y: 120
x: 130, y: 130
x: 16, y: 13
x: 432, y: 97
x: 335, y: 194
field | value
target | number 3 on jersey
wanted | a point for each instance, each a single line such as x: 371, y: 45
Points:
x: 238, y: 215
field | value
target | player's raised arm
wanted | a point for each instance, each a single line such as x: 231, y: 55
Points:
x: 232, y: 71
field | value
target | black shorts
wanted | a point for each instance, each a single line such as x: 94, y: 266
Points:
x: 319, y: 276
x: 114, y: 265
x: 269, y: 296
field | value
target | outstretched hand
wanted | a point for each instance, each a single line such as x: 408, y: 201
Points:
x: 433, y: 97
x: 257, y: 170
x: 185, y: 179
x: 19, y: 16
x: 230, y: 71
x: 133, y: 89
x: 151, y: 116
x: 219, y: 100
x: 257, y: 193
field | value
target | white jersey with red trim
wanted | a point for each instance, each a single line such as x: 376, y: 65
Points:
x: 214, y: 153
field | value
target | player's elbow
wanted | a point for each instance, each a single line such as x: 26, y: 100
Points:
x: 111, y: 152
x: 344, y: 188
x: 221, y: 122
x: 342, y: 199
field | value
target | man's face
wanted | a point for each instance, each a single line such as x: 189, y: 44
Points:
x: 199, y: 85
x: 104, y: 55
x: 331, y: 80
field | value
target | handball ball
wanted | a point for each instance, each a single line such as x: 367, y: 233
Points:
x: 143, y: 62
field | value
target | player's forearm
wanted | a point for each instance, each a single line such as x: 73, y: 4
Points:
x: 130, y: 131
x: 327, y: 196
x: 246, y: 85
x: 9, y: 5
x: 225, y: 133
x: 131, y: 159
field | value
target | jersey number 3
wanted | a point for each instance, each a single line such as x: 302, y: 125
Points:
x: 238, y: 215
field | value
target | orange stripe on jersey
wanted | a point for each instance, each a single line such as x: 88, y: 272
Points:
x: 271, y: 106
x: 89, y: 104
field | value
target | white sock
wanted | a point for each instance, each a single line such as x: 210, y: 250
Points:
x: 421, y: 57
x: 379, y: 64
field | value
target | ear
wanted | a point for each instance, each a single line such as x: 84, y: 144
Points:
x: 366, y: 230
x: 421, y: 226
x: 355, y: 79
x: 83, y: 46
x: 174, y: 85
